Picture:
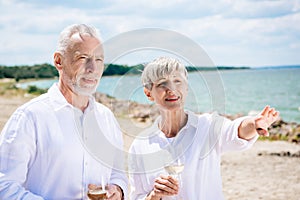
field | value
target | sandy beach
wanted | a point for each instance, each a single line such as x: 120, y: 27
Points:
x: 268, y: 171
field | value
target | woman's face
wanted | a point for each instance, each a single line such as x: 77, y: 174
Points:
x: 170, y: 91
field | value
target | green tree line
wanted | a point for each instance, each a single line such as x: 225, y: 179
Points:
x: 41, y: 71
x: 26, y: 72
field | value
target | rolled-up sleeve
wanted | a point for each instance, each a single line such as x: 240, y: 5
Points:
x: 230, y: 138
x: 227, y: 131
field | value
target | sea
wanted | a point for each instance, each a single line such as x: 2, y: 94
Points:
x: 229, y: 92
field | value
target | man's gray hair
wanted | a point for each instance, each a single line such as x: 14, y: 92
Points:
x: 159, y: 68
x: 69, y: 31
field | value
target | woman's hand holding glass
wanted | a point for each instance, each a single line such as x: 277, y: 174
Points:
x: 174, y: 170
x: 164, y: 185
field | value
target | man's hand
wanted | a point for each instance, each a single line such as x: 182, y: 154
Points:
x: 114, y: 192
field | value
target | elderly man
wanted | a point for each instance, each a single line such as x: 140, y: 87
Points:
x: 44, y: 147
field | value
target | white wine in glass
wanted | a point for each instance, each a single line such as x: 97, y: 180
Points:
x: 97, y: 194
x: 174, y: 169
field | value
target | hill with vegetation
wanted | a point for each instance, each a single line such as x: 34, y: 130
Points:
x: 42, y: 71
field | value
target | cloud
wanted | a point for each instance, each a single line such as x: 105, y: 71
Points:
x: 30, y: 28
x: 262, y: 8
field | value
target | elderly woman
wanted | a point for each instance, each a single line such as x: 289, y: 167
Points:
x: 193, y: 143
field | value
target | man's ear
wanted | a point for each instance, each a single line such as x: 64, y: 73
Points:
x: 58, y: 61
x: 148, y: 94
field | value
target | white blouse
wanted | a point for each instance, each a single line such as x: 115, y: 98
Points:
x: 199, y: 144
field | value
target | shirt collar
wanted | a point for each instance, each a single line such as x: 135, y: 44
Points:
x: 58, y: 100
x: 192, y: 119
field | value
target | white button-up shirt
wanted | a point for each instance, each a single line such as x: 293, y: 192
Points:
x: 52, y: 150
x: 199, y: 145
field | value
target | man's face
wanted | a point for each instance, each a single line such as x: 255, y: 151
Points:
x: 83, y: 65
x: 170, y: 91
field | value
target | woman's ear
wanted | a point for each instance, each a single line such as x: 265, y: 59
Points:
x: 58, y: 60
x: 148, y: 94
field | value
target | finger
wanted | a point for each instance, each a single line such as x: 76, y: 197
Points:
x: 271, y: 110
x: 162, y: 193
x: 162, y: 189
x: 92, y: 186
x: 262, y: 132
x: 112, y: 197
x: 265, y: 110
x: 273, y: 116
x: 169, y: 178
x: 166, y: 182
x: 111, y: 190
x: 113, y: 194
x: 276, y: 114
x: 166, y: 186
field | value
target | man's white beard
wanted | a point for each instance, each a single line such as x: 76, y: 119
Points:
x: 84, y: 90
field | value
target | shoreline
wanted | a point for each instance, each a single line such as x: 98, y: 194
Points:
x: 142, y: 114
x: 145, y: 113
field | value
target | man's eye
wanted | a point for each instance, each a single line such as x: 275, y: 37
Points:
x: 83, y: 57
x: 99, y: 59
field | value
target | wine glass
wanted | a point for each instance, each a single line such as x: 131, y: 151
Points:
x: 98, y: 193
x: 175, y: 169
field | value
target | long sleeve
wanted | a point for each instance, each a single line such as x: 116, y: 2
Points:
x: 227, y: 132
x: 17, y: 152
x: 118, y: 175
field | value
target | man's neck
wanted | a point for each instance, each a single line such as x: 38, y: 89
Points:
x: 78, y: 101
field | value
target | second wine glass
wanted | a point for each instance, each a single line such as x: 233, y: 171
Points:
x: 175, y: 169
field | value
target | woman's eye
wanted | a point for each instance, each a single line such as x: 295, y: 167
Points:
x: 161, y: 84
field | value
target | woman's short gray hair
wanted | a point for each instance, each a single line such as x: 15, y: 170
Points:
x: 69, y: 31
x: 159, y: 68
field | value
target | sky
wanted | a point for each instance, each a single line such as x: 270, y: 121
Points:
x: 250, y: 33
